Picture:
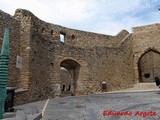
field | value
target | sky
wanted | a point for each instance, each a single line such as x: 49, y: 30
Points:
x: 100, y: 16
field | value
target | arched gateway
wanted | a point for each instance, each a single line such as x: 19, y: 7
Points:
x: 149, y: 66
x: 69, y: 76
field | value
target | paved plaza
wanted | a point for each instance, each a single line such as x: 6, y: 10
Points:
x: 140, y: 105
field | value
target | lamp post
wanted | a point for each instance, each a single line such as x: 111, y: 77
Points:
x: 4, y: 60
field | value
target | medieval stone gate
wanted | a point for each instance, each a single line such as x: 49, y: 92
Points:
x: 92, y: 62
x: 69, y: 75
x: 149, y: 66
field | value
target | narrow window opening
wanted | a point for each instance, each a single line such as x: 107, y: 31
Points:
x: 51, y: 32
x: 51, y: 63
x: 69, y: 88
x: 42, y: 29
x: 63, y: 89
x: 35, y: 52
x: 62, y: 37
x: 104, y: 87
x: 147, y: 75
x: 73, y: 37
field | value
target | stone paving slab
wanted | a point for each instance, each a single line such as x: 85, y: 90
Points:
x: 27, y: 117
x: 92, y: 107
x: 30, y: 111
x: 38, y: 105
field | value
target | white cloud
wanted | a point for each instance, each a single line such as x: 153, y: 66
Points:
x: 76, y: 10
x: 58, y: 10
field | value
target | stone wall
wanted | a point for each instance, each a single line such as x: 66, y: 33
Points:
x: 111, y: 65
x: 145, y: 38
x: 7, y: 21
x: 96, y: 62
x: 25, y: 38
x: 43, y: 52
x: 73, y: 37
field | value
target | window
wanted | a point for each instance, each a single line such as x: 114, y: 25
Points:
x: 52, y: 64
x: 51, y: 32
x: 69, y: 88
x: 42, y: 29
x: 63, y: 89
x: 73, y: 37
x: 104, y: 87
x: 35, y: 52
x: 147, y: 75
x: 62, y: 37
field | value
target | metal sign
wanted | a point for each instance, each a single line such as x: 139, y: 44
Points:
x: 19, y: 62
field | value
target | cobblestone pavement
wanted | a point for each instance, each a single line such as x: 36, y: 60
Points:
x: 92, y: 107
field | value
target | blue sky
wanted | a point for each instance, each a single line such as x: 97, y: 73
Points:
x: 100, y: 16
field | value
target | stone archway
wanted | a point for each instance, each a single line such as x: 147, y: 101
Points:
x: 67, y: 82
x: 69, y: 70
x: 149, y: 66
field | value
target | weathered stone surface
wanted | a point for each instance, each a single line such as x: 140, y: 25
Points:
x: 7, y: 21
x: 91, y: 59
x: 146, y: 40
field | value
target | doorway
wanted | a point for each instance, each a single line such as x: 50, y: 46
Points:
x: 149, y: 66
x: 69, y: 76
